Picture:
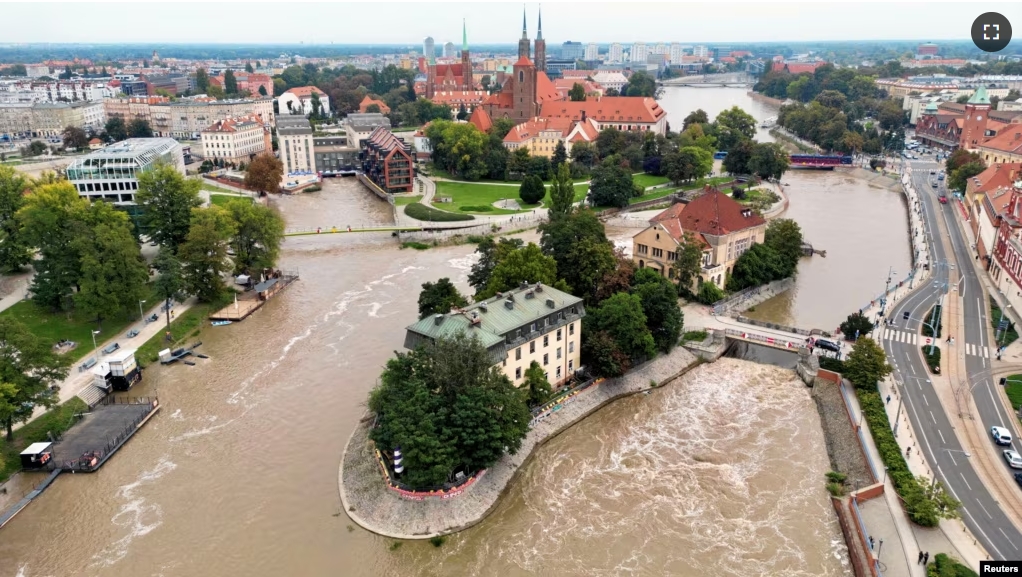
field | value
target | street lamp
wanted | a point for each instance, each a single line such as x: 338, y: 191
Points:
x: 1000, y: 321
x: 885, y: 474
x: 879, y: 549
x: 883, y: 301
x: 94, y: 345
x: 140, y: 313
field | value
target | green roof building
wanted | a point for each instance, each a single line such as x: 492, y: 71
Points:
x: 534, y: 322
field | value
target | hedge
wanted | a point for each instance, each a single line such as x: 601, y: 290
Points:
x: 905, y: 483
x: 932, y: 360
x: 830, y: 364
x: 419, y: 211
x: 933, y: 314
x: 944, y: 566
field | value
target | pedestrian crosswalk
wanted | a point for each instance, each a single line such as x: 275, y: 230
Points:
x: 911, y: 338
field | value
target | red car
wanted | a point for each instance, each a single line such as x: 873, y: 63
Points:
x: 943, y: 200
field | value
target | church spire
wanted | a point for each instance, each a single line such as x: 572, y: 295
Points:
x: 525, y: 31
x: 464, y: 36
x: 539, y: 33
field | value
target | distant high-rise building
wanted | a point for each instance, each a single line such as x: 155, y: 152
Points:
x: 660, y: 48
x: 572, y: 51
x: 616, y: 54
x: 449, y: 51
x: 592, y: 51
x: 675, y: 53
x: 700, y: 51
x: 639, y: 52
x: 928, y: 49
x: 721, y: 51
x: 428, y: 48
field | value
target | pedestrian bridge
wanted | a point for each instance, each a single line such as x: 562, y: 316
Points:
x: 791, y: 343
x: 727, y: 79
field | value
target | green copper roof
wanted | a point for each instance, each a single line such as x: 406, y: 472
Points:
x: 464, y: 36
x: 980, y: 97
x: 931, y: 107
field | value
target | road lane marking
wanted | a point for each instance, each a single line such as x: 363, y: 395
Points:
x: 1006, y: 537
x: 913, y: 368
x: 962, y: 475
x: 987, y: 512
x: 941, y: 433
x: 934, y: 419
x: 925, y: 400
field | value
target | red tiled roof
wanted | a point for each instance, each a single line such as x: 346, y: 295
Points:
x: 713, y: 213
x: 441, y: 69
x: 523, y: 61
x: 235, y: 124
x: 607, y: 109
x: 367, y: 102
x: 802, y: 67
x: 501, y: 99
x: 532, y: 128
x: 303, y: 91
x: 385, y: 139
x: 1008, y: 140
x: 456, y: 97
x: 997, y: 175
x: 480, y: 119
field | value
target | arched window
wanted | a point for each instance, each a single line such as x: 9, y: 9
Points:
x: 521, y: 76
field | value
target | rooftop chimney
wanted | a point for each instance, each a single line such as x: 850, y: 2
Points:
x: 539, y: 287
x: 437, y: 319
x: 550, y: 303
x: 509, y: 304
x: 524, y: 285
x: 529, y: 295
x: 482, y: 307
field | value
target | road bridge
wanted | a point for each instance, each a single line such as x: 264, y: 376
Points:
x: 726, y: 79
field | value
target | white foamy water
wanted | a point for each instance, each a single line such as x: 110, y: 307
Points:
x: 720, y: 474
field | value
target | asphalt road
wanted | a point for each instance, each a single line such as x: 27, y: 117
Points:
x: 937, y: 439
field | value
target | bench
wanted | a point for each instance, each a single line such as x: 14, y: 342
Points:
x: 89, y: 364
x: 111, y: 348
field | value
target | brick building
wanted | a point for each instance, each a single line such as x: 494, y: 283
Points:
x: 387, y: 161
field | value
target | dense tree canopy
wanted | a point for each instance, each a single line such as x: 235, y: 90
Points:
x: 28, y: 367
x: 525, y: 264
x: 732, y: 126
x: 866, y: 364
x: 659, y: 298
x: 112, y: 273
x: 615, y: 335
x: 167, y: 199
x: 14, y: 252
x: 265, y: 173
x: 204, y: 252
x: 531, y: 190
x: 449, y: 409
x: 439, y: 298
x: 258, y: 232
x: 611, y: 186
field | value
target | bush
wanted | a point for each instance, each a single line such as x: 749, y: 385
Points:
x: 419, y: 211
x: 532, y: 190
x: 856, y: 322
x: 1013, y: 388
x: 313, y: 188
x: 415, y: 245
x: 476, y: 208
x: 933, y: 313
x: 709, y: 293
x: 694, y: 336
x: 932, y: 360
x: 944, y: 566
x: 830, y: 364
x: 437, y: 540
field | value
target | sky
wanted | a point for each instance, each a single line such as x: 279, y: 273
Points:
x: 384, y: 22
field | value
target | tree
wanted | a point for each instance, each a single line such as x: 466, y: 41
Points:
x: 14, y: 252
x: 439, y: 298
x: 687, y: 164
x: 866, y: 364
x: 490, y: 253
x: 51, y: 220
x: 265, y: 173
x: 962, y: 99
x: 217, y: 92
x: 621, y: 316
x: 539, y: 166
x: 204, y: 252
x: 170, y: 283
x: 768, y: 160
x: 262, y: 90
x: 784, y: 235
x: 462, y: 112
x: 612, y: 92
x: 248, y: 68
x: 560, y: 156
x: 697, y: 116
x: 611, y: 186
x: 642, y: 84
x: 659, y: 298
x: 231, y: 83
x: 317, y: 105
x: 458, y: 148
x: 737, y: 159
x: 732, y: 126
x: 139, y: 128
x: 526, y: 264
x: 113, y: 273
x: 116, y: 129
x: 961, y: 157
x: 757, y: 266
x: 536, y: 386
x: 577, y: 93
x: 532, y: 190
x: 610, y: 141
x: 856, y: 325
x: 167, y: 199
x: 688, y: 263
x: 518, y: 163
x: 584, y: 153
x: 601, y: 354
x: 28, y: 368
x: 562, y: 192
x: 34, y: 148
x: 75, y: 137
x: 695, y: 136
x: 66, y: 74
x: 449, y: 409
x: 709, y: 293
x: 578, y: 244
x: 259, y: 231
x: 960, y: 176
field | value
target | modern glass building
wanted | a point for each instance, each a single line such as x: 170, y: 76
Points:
x: 110, y: 173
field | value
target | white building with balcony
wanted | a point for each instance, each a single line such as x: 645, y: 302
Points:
x: 111, y: 173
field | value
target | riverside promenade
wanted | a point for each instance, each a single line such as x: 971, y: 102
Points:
x: 371, y: 504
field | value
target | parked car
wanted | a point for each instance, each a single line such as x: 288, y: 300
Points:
x: 1014, y: 459
x: 1000, y: 435
x: 940, y: 176
x: 828, y: 345
x: 1018, y: 479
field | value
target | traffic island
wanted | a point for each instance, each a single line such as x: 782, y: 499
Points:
x: 931, y: 354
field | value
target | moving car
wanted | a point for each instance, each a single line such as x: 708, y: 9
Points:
x: 1018, y: 479
x: 828, y: 345
x: 1000, y: 435
x: 940, y: 176
x: 942, y: 199
x: 1014, y: 459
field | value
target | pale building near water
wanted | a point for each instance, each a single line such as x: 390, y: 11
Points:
x: 296, y: 149
x: 592, y: 51
x: 111, y: 173
x: 235, y: 140
x: 533, y: 322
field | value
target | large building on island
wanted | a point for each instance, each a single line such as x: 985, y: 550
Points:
x: 533, y: 322
x: 111, y: 173
x: 387, y: 161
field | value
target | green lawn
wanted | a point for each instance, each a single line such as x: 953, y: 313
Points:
x: 214, y: 188
x: 222, y: 199
x: 473, y: 197
x: 182, y: 328
x: 437, y: 172
x: 1014, y: 391
x: 648, y: 180
x: 403, y: 200
x: 658, y: 193
x: 56, y: 420
x: 424, y: 213
x: 75, y: 327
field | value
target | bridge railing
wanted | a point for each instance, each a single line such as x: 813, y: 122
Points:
x: 776, y: 342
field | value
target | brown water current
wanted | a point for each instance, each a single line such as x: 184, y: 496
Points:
x: 718, y: 473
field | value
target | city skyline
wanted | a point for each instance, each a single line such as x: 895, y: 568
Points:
x: 492, y: 23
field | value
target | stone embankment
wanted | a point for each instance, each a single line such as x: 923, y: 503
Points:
x: 874, y: 178
x: 371, y: 504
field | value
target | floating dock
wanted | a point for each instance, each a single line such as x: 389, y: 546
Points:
x: 241, y: 308
x: 168, y: 356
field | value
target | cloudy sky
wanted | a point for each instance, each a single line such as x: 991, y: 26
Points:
x: 384, y: 22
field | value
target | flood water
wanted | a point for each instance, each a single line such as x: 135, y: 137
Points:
x: 719, y: 473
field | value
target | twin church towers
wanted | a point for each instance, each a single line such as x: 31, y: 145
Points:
x: 523, y: 44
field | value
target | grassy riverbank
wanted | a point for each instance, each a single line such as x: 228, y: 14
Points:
x: 186, y: 326
x: 56, y: 421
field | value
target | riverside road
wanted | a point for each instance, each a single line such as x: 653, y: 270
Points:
x: 937, y: 437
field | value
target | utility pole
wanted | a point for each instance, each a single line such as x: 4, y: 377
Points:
x: 933, y: 323
x: 883, y: 300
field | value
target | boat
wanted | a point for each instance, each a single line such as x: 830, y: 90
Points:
x: 220, y: 323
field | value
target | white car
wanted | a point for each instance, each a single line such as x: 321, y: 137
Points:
x: 1000, y: 435
x: 1014, y: 459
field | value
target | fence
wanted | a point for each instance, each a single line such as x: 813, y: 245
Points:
x: 448, y: 233
x: 784, y: 328
x: 332, y: 229
x: 776, y: 342
x: 91, y: 460
x: 563, y: 399
x: 864, y: 536
x: 725, y: 305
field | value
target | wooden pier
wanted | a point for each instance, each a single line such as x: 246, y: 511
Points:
x: 808, y: 250
x: 250, y: 301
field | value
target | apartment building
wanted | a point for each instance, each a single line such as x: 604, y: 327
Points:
x: 723, y: 228
x: 187, y: 118
x: 541, y: 135
x: 358, y: 126
x: 533, y: 322
x: 132, y: 107
x: 639, y: 52
x: 616, y: 53
x: 235, y: 140
x: 57, y: 91
x: 296, y: 149
x: 111, y: 173
x: 387, y: 161
x: 49, y: 119
x: 592, y: 51
x: 299, y: 101
x: 675, y: 52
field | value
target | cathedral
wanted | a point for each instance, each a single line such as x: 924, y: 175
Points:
x: 450, y: 77
x: 528, y: 87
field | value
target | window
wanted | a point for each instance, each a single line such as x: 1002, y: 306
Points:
x: 658, y: 253
x: 571, y: 365
x: 672, y: 256
x: 558, y: 334
x: 519, y: 334
x: 518, y: 354
x: 571, y: 346
x: 558, y: 352
x: 532, y: 327
x: 532, y: 347
x: 504, y: 363
x: 546, y: 340
x: 518, y: 373
x: 642, y: 249
x: 546, y: 360
x: 558, y: 372
x: 571, y: 329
